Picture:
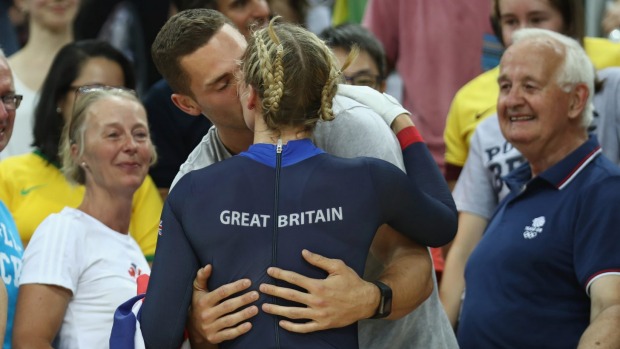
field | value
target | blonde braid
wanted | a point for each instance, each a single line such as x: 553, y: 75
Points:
x: 329, y: 89
x: 264, y: 63
x: 272, y: 73
x: 277, y: 86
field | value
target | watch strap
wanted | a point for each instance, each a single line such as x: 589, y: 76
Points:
x: 385, y: 301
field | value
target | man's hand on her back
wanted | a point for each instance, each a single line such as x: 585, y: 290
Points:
x: 337, y: 301
x: 216, y: 320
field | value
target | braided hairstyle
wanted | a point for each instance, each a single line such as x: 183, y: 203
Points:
x: 294, y: 73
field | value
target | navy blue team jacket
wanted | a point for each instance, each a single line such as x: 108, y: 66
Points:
x: 224, y: 215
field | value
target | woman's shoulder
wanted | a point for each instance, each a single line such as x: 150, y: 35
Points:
x: 69, y: 221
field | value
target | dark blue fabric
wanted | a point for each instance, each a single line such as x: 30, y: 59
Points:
x: 328, y: 205
x: 124, y: 326
x: 292, y: 152
x: 527, y: 278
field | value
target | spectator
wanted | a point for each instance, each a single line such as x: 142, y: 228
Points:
x: 611, y: 20
x: 369, y: 67
x: 8, y: 39
x: 49, y: 29
x: 82, y: 263
x: 436, y: 47
x: 33, y: 186
x: 137, y: 23
x: 11, y: 248
x: 561, y: 16
x: 478, y: 99
x: 292, y: 11
x: 207, y: 39
x: 548, y: 259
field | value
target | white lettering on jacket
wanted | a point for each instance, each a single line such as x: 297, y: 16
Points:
x: 246, y: 219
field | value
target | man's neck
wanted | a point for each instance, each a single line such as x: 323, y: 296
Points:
x: 542, y: 158
x: 236, y: 140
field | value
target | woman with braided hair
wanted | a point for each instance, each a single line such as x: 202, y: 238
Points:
x: 263, y: 207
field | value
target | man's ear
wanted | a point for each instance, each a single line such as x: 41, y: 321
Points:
x: 186, y: 104
x: 579, y: 98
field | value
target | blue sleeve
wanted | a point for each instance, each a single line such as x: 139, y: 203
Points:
x: 169, y: 291
x: 418, y: 205
x: 596, y: 243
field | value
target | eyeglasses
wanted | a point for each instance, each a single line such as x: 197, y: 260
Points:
x: 11, y: 102
x: 364, y: 79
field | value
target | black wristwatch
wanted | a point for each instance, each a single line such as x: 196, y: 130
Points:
x: 385, y: 302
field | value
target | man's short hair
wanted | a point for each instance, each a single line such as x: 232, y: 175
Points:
x: 180, y: 36
x: 347, y: 35
x: 576, y: 67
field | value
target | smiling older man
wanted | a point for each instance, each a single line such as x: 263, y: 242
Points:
x: 547, y: 271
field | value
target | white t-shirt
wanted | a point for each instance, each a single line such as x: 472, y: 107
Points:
x: 98, y: 265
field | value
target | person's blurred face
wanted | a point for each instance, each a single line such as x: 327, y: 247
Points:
x: 362, y: 71
x: 518, y: 14
x: 212, y: 70
x: 117, y: 145
x: 245, y: 13
x: 7, y: 115
x: 533, y: 109
x: 51, y: 14
x: 95, y: 71
x: 284, y: 9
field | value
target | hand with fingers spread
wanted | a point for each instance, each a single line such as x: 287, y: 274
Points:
x: 216, y: 318
x: 336, y: 301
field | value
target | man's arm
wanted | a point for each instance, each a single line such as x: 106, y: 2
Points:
x: 471, y: 228
x: 343, y: 297
x: 407, y: 270
x: 339, y: 300
x: 604, y: 314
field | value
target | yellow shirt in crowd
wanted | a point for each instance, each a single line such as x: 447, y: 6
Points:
x: 478, y: 99
x: 32, y: 189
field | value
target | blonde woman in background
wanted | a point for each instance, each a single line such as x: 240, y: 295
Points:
x: 82, y: 263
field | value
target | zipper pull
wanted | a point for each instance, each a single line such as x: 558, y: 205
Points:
x: 279, y: 146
